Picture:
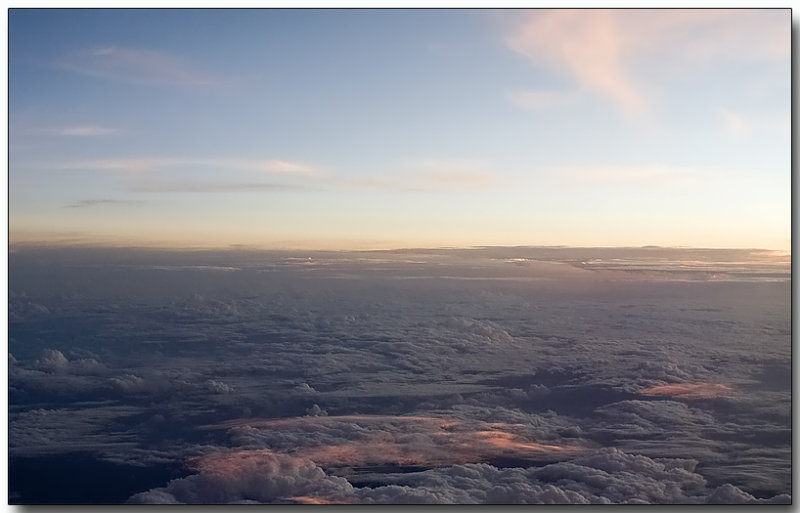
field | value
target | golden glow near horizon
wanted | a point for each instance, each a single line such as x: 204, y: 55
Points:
x: 401, y: 128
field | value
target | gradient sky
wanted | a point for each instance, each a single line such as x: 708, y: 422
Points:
x: 396, y: 128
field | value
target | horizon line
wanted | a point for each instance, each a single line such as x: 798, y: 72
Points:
x: 22, y: 245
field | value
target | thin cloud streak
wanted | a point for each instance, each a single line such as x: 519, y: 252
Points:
x: 98, y: 202
x: 156, y: 163
x: 213, y: 187
x: 135, y: 66
x: 76, y: 131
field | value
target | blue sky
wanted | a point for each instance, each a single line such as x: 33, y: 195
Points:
x: 396, y: 128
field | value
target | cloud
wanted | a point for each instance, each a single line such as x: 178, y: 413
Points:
x: 587, y: 44
x: 507, y: 390
x: 689, y: 390
x: 76, y: 131
x: 262, y: 476
x: 125, y: 165
x: 157, y: 163
x: 359, y: 440
x: 135, y: 66
x: 97, y: 202
x: 610, y: 51
x: 606, y: 476
x: 52, y: 360
x: 211, y: 186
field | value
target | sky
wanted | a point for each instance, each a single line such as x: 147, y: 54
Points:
x: 361, y: 129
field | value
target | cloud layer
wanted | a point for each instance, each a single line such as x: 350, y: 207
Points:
x: 417, y: 376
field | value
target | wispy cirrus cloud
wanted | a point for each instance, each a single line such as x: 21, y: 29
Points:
x: 208, y: 186
x: 156, y: 163
x: 606, y: 51
x: 136, y: 66
x: 87, y: 130
x: 100, y: 202
x: 587, y: 45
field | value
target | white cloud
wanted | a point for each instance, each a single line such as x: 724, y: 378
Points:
x: 606, y: 476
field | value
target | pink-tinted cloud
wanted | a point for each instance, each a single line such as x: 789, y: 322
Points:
x: 613, y: 52
x: 408, y: 440
x: 688, y: 390
x: 587, y: 44
x: 304, y: 499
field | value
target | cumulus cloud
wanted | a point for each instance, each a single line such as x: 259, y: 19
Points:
x: 261, y: 476
x: 436, y: 390
x: 604, y: 477
x: 358, y: 440
x: 218, y: 387
x: 54, y: 361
